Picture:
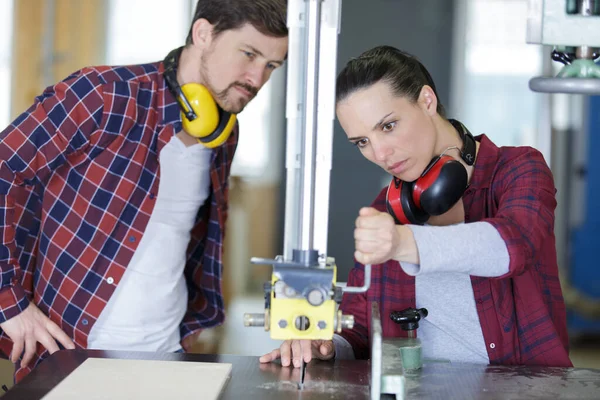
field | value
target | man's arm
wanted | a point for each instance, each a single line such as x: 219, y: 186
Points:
x: 59, y: 123
x: 205, y: 299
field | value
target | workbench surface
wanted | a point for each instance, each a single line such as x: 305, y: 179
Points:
x: 341, y: 379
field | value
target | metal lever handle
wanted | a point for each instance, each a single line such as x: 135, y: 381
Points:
x: 365, y: 286
x: 590, y: 86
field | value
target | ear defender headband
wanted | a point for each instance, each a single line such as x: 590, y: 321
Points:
x: 437, y: 190
x: 201, y: 116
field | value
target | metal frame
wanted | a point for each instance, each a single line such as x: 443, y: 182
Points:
x: 547, y: 23
x: 314, y: 27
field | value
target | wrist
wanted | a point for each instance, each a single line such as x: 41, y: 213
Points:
x: 14, y: 301
x: 406, y: 250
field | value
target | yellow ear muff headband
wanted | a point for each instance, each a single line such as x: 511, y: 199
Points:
x: 201, y: 116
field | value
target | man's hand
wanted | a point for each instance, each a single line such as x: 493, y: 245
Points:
x: 28, y: 328
x: 190, y: 341
x: 297, y: 350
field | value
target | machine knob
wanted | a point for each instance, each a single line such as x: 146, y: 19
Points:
x: 252, y: 319
x: 408, y: 318
x: 343, y: 321
x: 316, y: 296
x: 347, y: 321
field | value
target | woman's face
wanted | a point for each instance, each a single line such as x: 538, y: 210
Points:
x: 390, y: 131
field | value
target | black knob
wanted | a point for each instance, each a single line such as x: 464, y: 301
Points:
x: 338, y: 294
x: 409, y: 318
x: 562, y: 57
x: 267, y: 289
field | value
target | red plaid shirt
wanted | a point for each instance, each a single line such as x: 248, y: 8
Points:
x: 522, y: 313
x: 79, y: 173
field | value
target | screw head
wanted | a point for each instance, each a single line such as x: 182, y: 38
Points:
x: 315, y: 297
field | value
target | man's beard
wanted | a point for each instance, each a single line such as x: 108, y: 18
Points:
x: 235, y: 106
x: 224, y: 97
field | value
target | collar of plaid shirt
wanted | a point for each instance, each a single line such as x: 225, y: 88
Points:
x: 522, y: 314
x: 79, y: 179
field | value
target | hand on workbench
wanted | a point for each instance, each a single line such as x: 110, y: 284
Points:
x: 28, y: 328
x: 190, y: 341
x: 297, y: 350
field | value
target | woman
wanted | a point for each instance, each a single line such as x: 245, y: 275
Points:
x: 465, y: 229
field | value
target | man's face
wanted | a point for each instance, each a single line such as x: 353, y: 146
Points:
x: 236, y: 64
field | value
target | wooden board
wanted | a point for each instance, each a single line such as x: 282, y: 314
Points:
x: 101, y: 378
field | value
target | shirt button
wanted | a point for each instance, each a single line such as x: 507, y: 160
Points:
x: 132, y: 238
x: 151, y: 196
x: 84, y: 321
x: 492, y: 345
x: 110, y: 280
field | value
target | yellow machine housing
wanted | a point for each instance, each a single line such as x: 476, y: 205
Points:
x: 285, y: 314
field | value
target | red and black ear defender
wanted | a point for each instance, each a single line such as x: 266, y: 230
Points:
x: 201, y: 116
x: 439, y: 187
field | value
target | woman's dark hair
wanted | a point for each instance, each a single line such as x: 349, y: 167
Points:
x: 403, y: 72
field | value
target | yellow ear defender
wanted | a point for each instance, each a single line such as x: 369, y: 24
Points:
x: 201, y: 116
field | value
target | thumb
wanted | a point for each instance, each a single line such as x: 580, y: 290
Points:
x: 326, y: 348
x: 368, y: 211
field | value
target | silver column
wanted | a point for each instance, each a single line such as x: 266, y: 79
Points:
x: 309, y: 136
x: 314, y: 26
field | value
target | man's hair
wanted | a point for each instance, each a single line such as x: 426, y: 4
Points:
x: 405, y: 74
x: 267, y: 16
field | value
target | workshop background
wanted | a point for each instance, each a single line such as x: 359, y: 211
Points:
x: 477, y: 55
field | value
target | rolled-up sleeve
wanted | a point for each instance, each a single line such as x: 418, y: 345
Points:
x: 525, y: 216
